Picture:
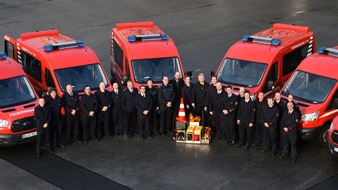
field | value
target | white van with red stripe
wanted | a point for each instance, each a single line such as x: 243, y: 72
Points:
x: 314, y: 88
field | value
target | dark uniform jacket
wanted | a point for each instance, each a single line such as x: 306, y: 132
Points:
x: 143, y: 103
x: 55, y: 106
x: 290, y: 121
x: 166, y: 94
x: 217, y: 101
x: 104, y: 99
x: 128, y: 100
x: 71, y: 102
x: 42, y: 115
x: 177, y: 86
x: 88, y: 104
x: 153, y: 93
x: 199, y: 94
x: 246, y: 111
x: 211, y: 93
x: 116, y: 99
x: 187, y: 94
x: 231, y: 105
x: 281, y: 105
x: 259, y: 110
x: 270, y: 115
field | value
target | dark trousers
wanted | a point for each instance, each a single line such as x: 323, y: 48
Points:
x: 218, y: 119
x: 153, y: 126
x: 270, y: 138
x: 55, y: 131
x: 199, y: 111
x: 42, y: 135
x: 129, y: 122
x: 103, y: 122
x: 244, y: 133
x: 229, y: 123
x: 166, y: 118
x: 187, y: 112
x: 143, y: 125
x: 118, y: 121
x: 290, y: 140
x: 259, y: 130
x: 89, y: 127
x: 72, y: 127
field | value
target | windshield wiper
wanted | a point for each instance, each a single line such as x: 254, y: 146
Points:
x: 232, y: 83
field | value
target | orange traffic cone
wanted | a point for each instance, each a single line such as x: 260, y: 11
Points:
x: 181, y: 113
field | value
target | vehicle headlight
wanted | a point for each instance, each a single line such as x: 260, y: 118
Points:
x: 310, y: 116
x: 3, y: 123
x: 253, y: 97
x: 331, y: 127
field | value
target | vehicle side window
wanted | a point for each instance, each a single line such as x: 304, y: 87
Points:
x: 272, y: 76
x: 117, y: 54
x: 127, y: 69
x: 333, y: 102
x: 9, y: 49
x: 293, y: 59
x: 49, y: 79
x: 30, y: 65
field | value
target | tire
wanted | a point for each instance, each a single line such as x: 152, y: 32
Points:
x: 322, y: 137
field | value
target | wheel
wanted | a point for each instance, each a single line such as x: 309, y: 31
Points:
x: 322, y: 138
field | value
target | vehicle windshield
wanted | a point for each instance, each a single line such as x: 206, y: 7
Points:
x: 155, y: 69
x: 81, y: 76
x: 15, y: 91
x: 242, y: 73
x: 309, y: 87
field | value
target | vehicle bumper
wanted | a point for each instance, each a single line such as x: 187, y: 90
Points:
x: 309, y: 134
x: 15, y: 139
x: 333, y: 148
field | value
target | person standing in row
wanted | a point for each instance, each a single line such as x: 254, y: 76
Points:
x: 104, y: 102
x: 230, y: 107
x: 166, y: 97
x: 281, y: 105
x: 71, y: 104
x: 199, y: 96
x: 186, y: 95
x: 89, y: 105
x: 55, y: 104
x: 143, y: 104
x: 270, y: 121
x: 177, y: 83
x: 212, y: 93
x: 152, y: 90
x: 117, y: 114
x: 42, y: 118
x: 128, y: 106
x: 260, y: 103
x: 217, y: 110
x: 245, y: 120
x: 289, y: 128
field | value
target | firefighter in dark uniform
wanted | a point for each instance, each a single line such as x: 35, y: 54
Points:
x: 153, y: 115
x: 166, y: 96
x: 217, y: 110
x: 128, y: 106
x: 42, y: 118
x: 211, y: 93
x: 89, y: 105
x: 199, y: 96
x: 245, y: 120
x: 260, y: 103
x: 186, y: 95
x: 289, y: 127
x: 295, y: 106
x: 281, y: 105
x: 104, y: 100
x: 117, y: 114
x: 177, y: 83
x: 270, y: 121
x: 71, y: 104
x: 143, y: 104
x: 230, y: 107
x: 55, y: 104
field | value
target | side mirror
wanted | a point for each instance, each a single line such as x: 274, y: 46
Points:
x: 335, y: 103
x: 124, y: 80
x: 270, y: 85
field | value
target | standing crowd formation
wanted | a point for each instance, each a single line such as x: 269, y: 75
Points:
x: 149, y: 111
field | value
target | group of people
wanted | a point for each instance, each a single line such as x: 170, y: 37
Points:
x: 151, y: 110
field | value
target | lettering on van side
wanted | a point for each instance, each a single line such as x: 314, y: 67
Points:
x: 21, y: 112
x: 300, y: 44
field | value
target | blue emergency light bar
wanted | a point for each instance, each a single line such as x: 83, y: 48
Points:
x: 147, y: 37
x: 52, y: 47
x: 3, y: 55
x: 329, y: 51
x: 263, y: 40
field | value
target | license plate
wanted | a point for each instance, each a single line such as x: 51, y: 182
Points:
x: 27, y: 135
x: 335, y: 149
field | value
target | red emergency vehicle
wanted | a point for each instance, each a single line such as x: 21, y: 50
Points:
x: 51, y: 59
x: 17, y: 103
x: 333, y: 137
x: 314, y: 88
x: 141, y: 50
x: 264, y: 61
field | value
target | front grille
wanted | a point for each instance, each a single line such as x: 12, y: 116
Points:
x: 23, y: 124
x: 334, y: 136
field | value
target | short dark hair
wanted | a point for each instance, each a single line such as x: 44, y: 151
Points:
x: 246, y: 91
x: 142, y: 86
x: 269, y: 98
x: 149, y: 79
x: 51, y: 90
x: 86, y: 87
x: 165, y: 76
x: 229, y: 87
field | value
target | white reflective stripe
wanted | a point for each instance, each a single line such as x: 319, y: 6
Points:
x: 309, y: 50
x: 329, y: 113
x: 181, y: 114
x: 310, y: 45
x: 309, y: 54
x: 310, y: 41
x: 181, y: 105
x: 311, y: 37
